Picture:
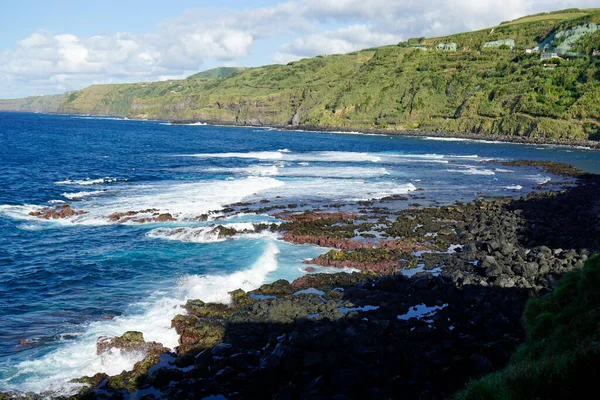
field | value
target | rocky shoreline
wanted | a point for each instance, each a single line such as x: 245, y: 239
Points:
x: 437, y: 301
x: 481, y: 136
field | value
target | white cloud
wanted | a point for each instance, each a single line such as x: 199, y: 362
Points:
x: 53, y: 62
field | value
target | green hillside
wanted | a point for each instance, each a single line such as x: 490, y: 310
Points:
x: 561, y: 356
x: 480, y: 82
x: 216, y: 73
x: 43, y: 104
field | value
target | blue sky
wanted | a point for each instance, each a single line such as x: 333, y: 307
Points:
x: 53, y: 46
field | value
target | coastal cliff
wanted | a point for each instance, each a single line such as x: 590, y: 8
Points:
x: 491, y: 82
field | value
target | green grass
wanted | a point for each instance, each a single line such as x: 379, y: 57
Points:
x: 546, y: 17
x: 561, y: 358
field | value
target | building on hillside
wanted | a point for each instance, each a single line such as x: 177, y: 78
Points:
x: 550, y: 66
x: 548, y: 56
x: 502, y: 43
x: 596, y: 53
x: 446, y: 46
x: 533, y: 50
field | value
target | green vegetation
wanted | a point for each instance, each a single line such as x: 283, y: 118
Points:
x: 216, y: 73
x: 43, y: 104
x: 410, y: 86
x: 561, y: 358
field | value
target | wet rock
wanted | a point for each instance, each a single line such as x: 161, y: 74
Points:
x: 240, y: 298
x: 60, y: 212
x: 208, y: 310
x: 203, y: 360
x: 129, y: 342
x: 225, y: 374
x: 222, y: 350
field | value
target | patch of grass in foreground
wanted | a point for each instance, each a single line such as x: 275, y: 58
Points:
x: 561, y: 358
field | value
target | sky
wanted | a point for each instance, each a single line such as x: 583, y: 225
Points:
x: 54, y: 46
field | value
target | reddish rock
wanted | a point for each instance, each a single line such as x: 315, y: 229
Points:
x: 164, y: 218
x: 310, y: 216
x: 61, y: 212
x: 133, y: 216
x: 323, y: 241
x: 309, y: 269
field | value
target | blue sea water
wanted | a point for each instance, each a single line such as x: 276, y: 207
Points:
x: 65, y: 283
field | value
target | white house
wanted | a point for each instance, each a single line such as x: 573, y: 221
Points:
x: 548, y: 56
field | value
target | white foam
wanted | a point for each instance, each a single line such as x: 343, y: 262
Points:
x: 332, y: 172
x: 327, y: 156
x: 256, y: 170
x: 339, y: 156
x: 340, y: 189
x: 470, y: 170
x: 78, y: 358
x: 200, y: 234
x: 305, y: 171
x: 453, y: 139
x: 514, y: 187
x: 79, y: 195
x: 212, y: 288
x: 87, y: 182
x: 259, y: 155
x: 539, y: 179
x: 446, y: 139
x: 508, y: 171
x: 19, y: 212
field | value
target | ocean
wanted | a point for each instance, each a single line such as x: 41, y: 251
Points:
x: 64, y: 283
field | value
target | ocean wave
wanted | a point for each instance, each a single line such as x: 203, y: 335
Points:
x: 514, y: 187
x: 456, y: 139
x: 340, y: 189
x: 80, y: 195
x: 215, y: 288
x: 87, y: 181
x: 539, y: 179
x: 306, y: 171
x: 333, y: 156
x: 472, y: 171
x: 78, y: 357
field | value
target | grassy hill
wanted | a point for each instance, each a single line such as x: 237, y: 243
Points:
x: 473, y: 87
x: 561, y: 357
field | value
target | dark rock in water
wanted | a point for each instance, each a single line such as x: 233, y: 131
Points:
x: 225, y: 374
x: 203, y: 360
x: 222, y: 350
